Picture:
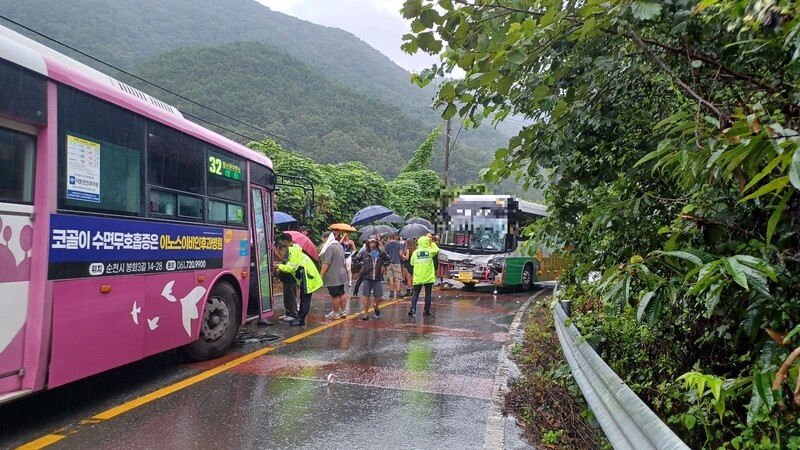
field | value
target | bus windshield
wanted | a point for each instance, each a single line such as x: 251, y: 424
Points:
x: 480, y: 226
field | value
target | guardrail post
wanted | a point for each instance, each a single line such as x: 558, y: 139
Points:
x: 566, y: 305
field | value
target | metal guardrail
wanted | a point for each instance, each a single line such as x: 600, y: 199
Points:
x: 626, y: 420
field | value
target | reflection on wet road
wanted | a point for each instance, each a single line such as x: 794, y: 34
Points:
x: 392, y: 382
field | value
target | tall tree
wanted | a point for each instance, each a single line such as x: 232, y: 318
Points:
x: 669, y: 130
x: 422, y: 157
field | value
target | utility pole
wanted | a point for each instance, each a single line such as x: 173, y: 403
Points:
x: 447, y: 155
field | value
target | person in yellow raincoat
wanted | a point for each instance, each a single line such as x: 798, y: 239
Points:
x: 424, y: 273
x: 294, y: 261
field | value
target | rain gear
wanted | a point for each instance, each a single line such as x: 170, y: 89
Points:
x: 422, y: 261
x: 302, y: 267
x: 372, y: 269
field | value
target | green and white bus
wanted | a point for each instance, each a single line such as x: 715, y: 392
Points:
x: 480, y: 243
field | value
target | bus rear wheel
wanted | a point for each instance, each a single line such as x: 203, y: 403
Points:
x: 219, y: 326
x: 527, y: 278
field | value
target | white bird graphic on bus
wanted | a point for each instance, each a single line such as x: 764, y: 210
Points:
x: 189, y: 303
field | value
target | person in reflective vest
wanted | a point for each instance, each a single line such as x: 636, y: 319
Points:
x: 424, y: 273
x: 294, y: 261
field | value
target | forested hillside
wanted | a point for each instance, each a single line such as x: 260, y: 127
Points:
x: 265, y: 86
x: 141, y: 36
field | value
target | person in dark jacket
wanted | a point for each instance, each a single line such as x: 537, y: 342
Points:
x: 373, y: 263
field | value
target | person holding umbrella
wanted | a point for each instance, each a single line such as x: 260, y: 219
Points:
x: 348, y: 246
x: 358, y: 261
x: 424, y: 273
x: 395, y: 272
x: 408, y: 270
x: 288, y: 281
x: 304, y: 271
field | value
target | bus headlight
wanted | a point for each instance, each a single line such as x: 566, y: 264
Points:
x: 497, y: 263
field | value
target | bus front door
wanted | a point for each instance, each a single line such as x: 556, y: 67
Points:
x: 17, y: 155
x: 260, y: 301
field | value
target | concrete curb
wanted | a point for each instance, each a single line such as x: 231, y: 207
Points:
x: 494, y: 438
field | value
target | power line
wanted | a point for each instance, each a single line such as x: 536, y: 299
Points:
x: 288, y: 141
x: 457, y: 133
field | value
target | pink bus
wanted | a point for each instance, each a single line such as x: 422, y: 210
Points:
x: 125, y: 229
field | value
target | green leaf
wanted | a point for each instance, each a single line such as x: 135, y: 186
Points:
x: 711, y: 299
x: 447, y: 92
x: 763, y: 387
x: 549, y: 17
x: 753, y: 409
x: 794, y: 331
x: 450, y: 111
x: 734, y: 269
x: 427, y: 42
x: 794, y: 169
x: 516, y: 57
x: 663, y: 147
x: 677, y: 117
x: 775, y: 185
x: 767, y: 170
x: 417, y: 26
x: 689, y: 420
x: 643, y: 10
x: 758, y: 264
x: 429, y: 17
x: 715, y: 385
x: 705, y: 4
x: 465, y: 62
x: 643, y: 305
x: 411, y: 8
x: 540, y: 92
x: 682, y: 255
x: 776, y: 215
x: 504, y: 85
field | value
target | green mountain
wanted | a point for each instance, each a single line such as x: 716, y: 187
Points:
x: 319, y: 87
x: 265, y: 86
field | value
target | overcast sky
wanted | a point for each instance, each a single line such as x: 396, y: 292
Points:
x: 376, y: 22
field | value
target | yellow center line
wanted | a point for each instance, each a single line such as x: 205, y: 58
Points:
x: 316, y: 330
x: 163, y: 392
x: 52, y: 438
x: 42, y: 442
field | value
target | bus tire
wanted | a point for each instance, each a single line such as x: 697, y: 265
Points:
x: 527, y: 277
x: 219, y: 326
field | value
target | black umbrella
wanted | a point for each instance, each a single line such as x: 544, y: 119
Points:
x: 370, y: 214
x: 377, y: 230
x: 414, y: 230
x: 424, y: 222
x: 393, y: 218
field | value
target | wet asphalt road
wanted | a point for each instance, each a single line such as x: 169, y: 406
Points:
x: 395, y: 382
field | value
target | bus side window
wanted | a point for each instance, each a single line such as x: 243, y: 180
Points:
x: 101, y: 150
x: 17, y: 155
